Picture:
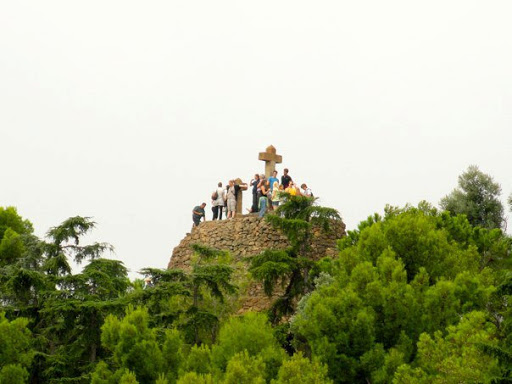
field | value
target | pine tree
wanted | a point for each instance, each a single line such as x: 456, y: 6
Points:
x: 291, y: 267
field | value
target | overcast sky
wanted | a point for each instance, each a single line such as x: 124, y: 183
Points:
x: 132, y: 111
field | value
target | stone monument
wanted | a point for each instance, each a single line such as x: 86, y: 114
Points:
x: 271, y: 158
x: 239, y: 195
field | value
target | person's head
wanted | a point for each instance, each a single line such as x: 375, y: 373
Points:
x: 231, y: 183
x: 274, y: 173
x: 220, y: 184
x: 304, y: 186
x: 203, y: 205
x: 285, y: 171
x: 281, y: 187
x: 257, y: 177
x: 262, y: 176
x: 275, y: 185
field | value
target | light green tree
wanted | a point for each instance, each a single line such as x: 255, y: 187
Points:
x: 299, y: 369
x: 477, y: 197
x: 398, y: 277
x: 134, y: 344
x: 245, y: 369
x: 456, y: 357
x: 251, y: 333
x: 194, y: 378
x: 13, y: 374
x: 16, y: 350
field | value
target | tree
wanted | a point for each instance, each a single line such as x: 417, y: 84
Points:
x: 399, y: 276
x: 456, y: 357
x: 477, y: 197
x: 251, y: 333
x: 291, y: 267
x: 245, y: 369
x: 299, y: 369
x: 180, y: 296
x: 134, y: 344
x: 16, y: 350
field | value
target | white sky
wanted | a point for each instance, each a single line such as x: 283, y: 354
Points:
x: 132, y: 111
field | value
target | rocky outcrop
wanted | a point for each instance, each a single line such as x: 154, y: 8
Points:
x: 245, y: 236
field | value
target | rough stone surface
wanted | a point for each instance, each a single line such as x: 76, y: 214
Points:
x: 246, y: 236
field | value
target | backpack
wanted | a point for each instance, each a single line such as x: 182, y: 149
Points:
x: 215, y: 195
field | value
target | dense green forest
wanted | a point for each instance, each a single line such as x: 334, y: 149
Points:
x: 418, y: 294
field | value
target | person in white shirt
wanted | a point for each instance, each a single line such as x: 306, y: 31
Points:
x: 306, y: 191
x: 218, y: 203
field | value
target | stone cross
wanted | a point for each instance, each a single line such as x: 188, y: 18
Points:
x: 243, y: 187
x: 271, y: 159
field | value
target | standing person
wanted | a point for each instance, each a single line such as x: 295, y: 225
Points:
x: 282, y: 194
x: 197, y: 213
x: 273, y: 179
x: 286, y: 178
x: 263, y: 200
x: 231, y: 199
x: 218, y: 202
x: 254, y: 184
x: 275, y: 195
x: 263, y: 181
x: 306, y: 191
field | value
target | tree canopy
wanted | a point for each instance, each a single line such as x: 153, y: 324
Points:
x: 414, y: 295
x: 477, y: 197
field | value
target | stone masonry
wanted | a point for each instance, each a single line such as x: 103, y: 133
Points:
x: 246, y: 236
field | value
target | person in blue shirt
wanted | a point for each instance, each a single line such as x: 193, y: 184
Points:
x: 271, y: 180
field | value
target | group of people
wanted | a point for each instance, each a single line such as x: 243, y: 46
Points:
x: 267, y: 194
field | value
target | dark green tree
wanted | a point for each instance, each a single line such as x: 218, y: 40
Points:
x: 178, y: 297
x: 477, y: 197
x: 291, y: 267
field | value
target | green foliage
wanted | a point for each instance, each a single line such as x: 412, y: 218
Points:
x: 13, y: 374
x: 65, y: 242
x: 128, y: 378
x: 477, y: 197
x: 102, y: 374
x: 245, y: 369
x: 194, y: 378
x: 299, y: 369
x: 199, y: 359
x: 185, y: 298
x: 11, y: 247
x: 416, y: 295
x: 134, y: 344
x: 9, y: 219
x: 385, y: 291
x: 172, y: 353
x: 292, y: 267
x: 456, y: 357
x: 15, y: 344
x: 251, y: 333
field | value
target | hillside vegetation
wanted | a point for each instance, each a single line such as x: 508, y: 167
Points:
x: 415, y: 295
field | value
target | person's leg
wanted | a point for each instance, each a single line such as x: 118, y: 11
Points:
x: 254, y: 207
x: 215, y: 210
x: 232, y: 207
x: 263, y: 207
x: 220, y: 212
